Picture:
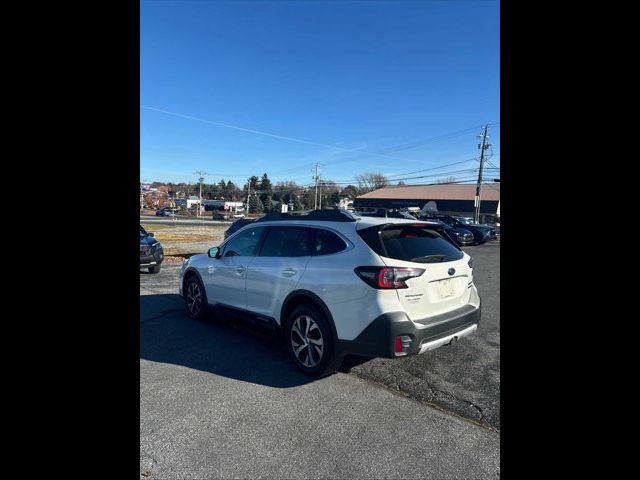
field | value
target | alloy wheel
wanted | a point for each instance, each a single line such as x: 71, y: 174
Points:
x: 307, y: 341
x: 194, y: 298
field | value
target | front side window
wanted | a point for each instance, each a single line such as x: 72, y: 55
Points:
x: 245, y: 244
x: 286, y: 242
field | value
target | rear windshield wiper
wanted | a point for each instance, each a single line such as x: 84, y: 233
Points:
x: 429, y: 259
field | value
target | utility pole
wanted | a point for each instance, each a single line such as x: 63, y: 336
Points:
x: 320, y: 193
x: 315, y: 177
x: 248, y: 194
x: 200, y: 179
x: 483, y: 146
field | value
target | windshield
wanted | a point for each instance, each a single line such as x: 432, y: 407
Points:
x: 465, y: 221
x: 143, y: 233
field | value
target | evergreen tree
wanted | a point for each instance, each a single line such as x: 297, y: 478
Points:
x: 265, y: 184
x: 267, y: 203
x: 297, y: 204
x: 259, y: 205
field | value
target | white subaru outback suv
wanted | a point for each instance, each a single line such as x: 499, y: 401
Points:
x: 337, y: 284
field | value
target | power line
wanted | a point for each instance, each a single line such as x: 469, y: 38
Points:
x: 306, y: 142
x: 439, y: 138
x: 433, y: 168
x: 470, y: 170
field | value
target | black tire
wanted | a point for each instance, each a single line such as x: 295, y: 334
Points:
x: 195, y: 298
x: 154, y: 269
x: 324, y: 360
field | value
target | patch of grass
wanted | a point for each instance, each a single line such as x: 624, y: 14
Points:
x: 152, y: 227
x: 186, y: 239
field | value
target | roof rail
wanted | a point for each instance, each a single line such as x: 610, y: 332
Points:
x: 314, y: 215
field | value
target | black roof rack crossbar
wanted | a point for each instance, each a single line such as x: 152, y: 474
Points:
x: 314, y: 215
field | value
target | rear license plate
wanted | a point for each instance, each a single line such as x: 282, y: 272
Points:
x: 445, y: 287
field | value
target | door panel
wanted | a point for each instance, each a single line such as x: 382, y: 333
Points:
x: 277, y: 269
x: 270, y: 280
x: 225, y: 278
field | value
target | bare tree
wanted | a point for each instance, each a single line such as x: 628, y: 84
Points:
x: 371, y: 181
x: 287, y: 186
x: 447, y: 180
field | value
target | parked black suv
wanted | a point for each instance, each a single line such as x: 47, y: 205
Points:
x: 461, y: 236
x: 481, y: 233
x: 151, y: 253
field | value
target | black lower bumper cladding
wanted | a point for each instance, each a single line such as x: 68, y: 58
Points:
x: 377, y: 340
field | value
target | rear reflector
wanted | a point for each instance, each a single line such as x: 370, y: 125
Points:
x: 402, y: 345
x: 398, y: 347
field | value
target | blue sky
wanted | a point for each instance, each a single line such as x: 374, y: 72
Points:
x: 276, y: 86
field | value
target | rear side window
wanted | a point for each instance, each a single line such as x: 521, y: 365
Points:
x: 410, y: 243
x: 325, y: 242
x: 286, y: 242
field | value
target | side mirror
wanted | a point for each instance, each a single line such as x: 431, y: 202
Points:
x: 150, y: 234
x: 214, y: 252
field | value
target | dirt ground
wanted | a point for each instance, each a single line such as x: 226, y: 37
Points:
x: 181, y: 240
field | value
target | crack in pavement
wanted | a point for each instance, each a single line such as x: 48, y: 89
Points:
x: 430, y: 400
x: 482, y: 416
x: 436, y: 391
x: 485, y: 425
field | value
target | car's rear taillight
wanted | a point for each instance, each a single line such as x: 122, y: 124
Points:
x: 387, y: 277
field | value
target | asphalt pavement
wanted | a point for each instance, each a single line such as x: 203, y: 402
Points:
x: 221, y: 399
x: 463, y: 377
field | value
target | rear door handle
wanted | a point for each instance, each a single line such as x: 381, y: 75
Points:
x: 240, y: 270
x: 289, y: 272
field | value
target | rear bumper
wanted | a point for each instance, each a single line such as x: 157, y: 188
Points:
x: 378, y: 339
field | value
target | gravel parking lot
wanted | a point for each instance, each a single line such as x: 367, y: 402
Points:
x: 220, y: 399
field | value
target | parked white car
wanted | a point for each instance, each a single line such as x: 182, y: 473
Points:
x: 336, y: 284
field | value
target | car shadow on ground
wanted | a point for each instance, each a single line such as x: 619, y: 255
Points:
x: 222, y: 345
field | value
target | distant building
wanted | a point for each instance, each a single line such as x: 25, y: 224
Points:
x: 456, y: 199
x: 222, y: 204
x: 186, y: 202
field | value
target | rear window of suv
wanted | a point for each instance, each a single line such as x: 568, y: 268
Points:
x: 325, y: 242
x: 410, y: 243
